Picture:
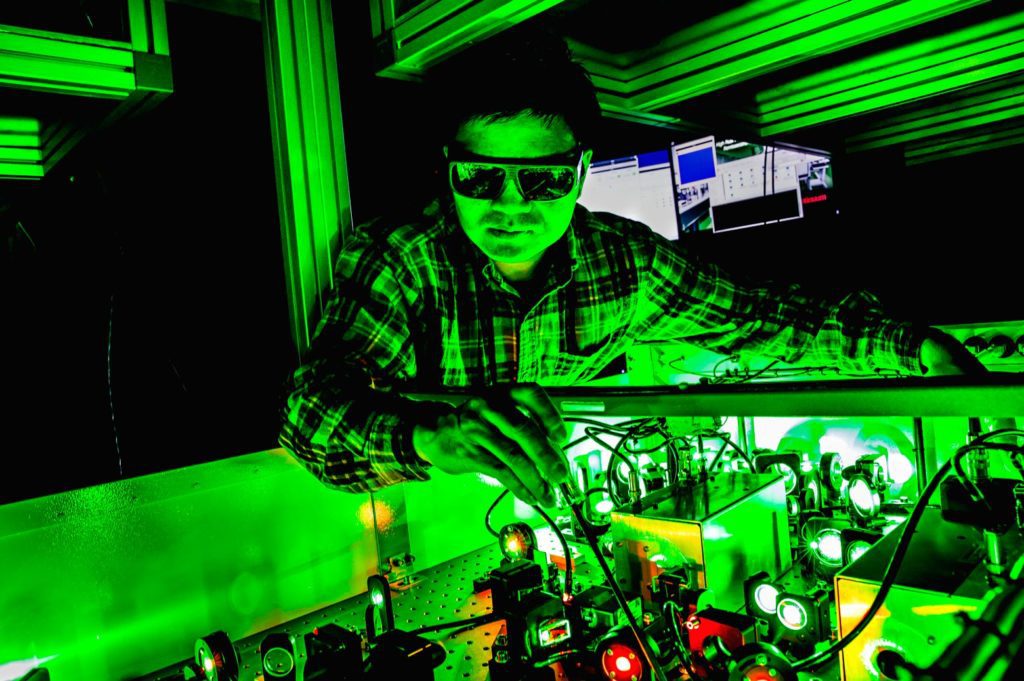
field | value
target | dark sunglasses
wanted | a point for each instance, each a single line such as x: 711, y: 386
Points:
x: 546, y: 178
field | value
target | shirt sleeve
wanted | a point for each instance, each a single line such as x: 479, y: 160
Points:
x: 340, y: 419
x: 683, y: 297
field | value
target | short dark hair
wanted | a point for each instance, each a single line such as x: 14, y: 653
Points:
x: 524, y: 67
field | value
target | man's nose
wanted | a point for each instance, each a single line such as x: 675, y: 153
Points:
x: 510, y: 200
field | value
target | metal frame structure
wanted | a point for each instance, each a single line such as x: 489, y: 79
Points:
x: 135, y: 73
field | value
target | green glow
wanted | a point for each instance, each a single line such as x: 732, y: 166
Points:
x: 377, y: 598
x: 792, y: 614
x: 604, y: 506
x: 766, y: 597
x: 89, y: 557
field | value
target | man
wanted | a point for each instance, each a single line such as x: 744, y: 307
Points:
x: 506, y: 285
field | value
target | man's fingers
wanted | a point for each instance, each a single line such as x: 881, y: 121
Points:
x: 480, y: 427
x: 526, y: 435
x: 490, y: 466
x: 536, y: 401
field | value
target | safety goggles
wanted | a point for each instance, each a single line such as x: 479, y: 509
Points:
x: 546, y: 178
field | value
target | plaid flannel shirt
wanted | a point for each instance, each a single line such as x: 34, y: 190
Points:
x: 418, y: 305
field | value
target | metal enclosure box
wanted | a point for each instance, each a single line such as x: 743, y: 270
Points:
x: 724, y: 530
x: 942, y: 574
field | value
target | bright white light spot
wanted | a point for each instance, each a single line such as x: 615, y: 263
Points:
x: 792, y: 614
x: 863, y: 497
x: 829, y: 547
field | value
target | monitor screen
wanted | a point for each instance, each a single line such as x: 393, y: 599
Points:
x: 636, y: 187
x: 746, y: 185
x: 705, y: 185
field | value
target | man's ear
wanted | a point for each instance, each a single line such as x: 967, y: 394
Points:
x: 587, y: 155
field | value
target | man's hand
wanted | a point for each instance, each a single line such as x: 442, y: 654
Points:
x: 943, y: 355
x: 513, y: 433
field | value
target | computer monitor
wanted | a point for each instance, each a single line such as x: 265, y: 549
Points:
x: 636, y: 187
x: 705, y: 185
x: 729, y: 184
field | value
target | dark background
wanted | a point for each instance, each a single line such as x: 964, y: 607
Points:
x: 144, y: 312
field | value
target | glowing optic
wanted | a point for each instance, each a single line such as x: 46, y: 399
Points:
x: 604, y: 506
x: 901, y: 468
x: 623, y: 664
x: 858, y: 549
x: 828, y: 546
x: 788, y: 475
x: 792, y: 614
x: 377, y: 598
x: 766, y: 596
x: 864, y: 499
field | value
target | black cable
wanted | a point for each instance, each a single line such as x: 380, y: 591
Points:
x: 620, y: 597
x: 469, y: 621
x: 567, y: 587
x: 896, y: 560
x: 684, y: 652
x: 487, y: 516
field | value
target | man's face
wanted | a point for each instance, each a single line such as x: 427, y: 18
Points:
x: 509, y: 228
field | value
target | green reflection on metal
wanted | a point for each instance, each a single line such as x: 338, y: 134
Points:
x: 427, y: 35
x: 989, y: 105
x: 80, y: 65
x: 309, y: 152
x: 754, y: 39
x: 19, y: 125
x: 984, y: 139
x: 922, y: 69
